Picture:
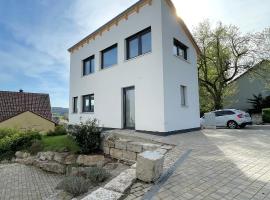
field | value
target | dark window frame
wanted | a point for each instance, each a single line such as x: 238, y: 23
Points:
x: 106, y: 50
x: 75, y: 105
x: 139, y: 37
x: 183, y: 93
x: 92, y: 68
x: 179, y: 45
x: 91, y: 109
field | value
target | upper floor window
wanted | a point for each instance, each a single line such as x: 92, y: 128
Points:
x: 88, y: 103
x: 179, y: 49
x: 109, y: 56
x: 183, y: 91
x: 88, y: 65
x: 139, y: 44
x: 75, y: 104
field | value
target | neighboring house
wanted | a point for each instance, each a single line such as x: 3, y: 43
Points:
x: 27, y: 111
x: 138, y: 71
x: 254, y: 81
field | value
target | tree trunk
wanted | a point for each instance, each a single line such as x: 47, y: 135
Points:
x: 218, y: 102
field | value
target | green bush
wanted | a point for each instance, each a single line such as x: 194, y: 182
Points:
x: 266, y: 115
x: 59, y: 130
x: 7, y: 132
x: 97, y: 175
x: 74, y: 185
x: 18, y: 140
x: 87, y: 135
x: 36, y: 147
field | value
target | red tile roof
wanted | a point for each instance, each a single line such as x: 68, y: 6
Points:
x: 14, y: 103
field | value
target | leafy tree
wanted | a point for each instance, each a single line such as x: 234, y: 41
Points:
x: 225, y: 55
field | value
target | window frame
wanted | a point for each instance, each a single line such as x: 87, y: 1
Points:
x: 183, y: 93
x: 90, y: 105
x: 139, y: 37
x: 75, y: 105
x: 179, y: 45
x: 106, y: 50
x: 92, y: 68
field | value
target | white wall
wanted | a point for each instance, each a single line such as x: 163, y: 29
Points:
x: 144, y: 72
x: 178, y: 72
x: 157, y: 76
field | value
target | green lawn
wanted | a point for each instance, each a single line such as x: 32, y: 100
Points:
x: 59, y: 143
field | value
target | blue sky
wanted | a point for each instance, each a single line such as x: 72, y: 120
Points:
x: 35, y: 35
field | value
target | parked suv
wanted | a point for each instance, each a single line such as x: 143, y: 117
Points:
x: 231, y: 118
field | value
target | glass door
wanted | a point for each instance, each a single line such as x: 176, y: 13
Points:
x: 129, y: 107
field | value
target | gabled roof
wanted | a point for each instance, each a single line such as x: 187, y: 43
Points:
x: 124, y: 15
x: 15, y: 103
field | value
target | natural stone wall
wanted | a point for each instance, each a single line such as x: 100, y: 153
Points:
x: 128, y: 150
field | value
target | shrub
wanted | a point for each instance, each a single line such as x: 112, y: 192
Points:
x: 7, y: 132
x: 18, y: 140
x: 266, y: 115
x: 36, y: 147
x: 97, y: 174
x: 74, y: 185
x: 59, y: 130
x: 87, y: 136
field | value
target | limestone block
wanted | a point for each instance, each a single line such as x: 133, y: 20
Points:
x: 20, y: 154
x: 60, y: 157
x: 135, y: 147
x: 106, y: 150
x: 150, y: 147
x: 149, y: 166
x: 70, y: 159
x: 46, y: 155
x: 167, y: 147
x: 103, y: 194
x: 121, y: 144
x: 129, y: 155
x: 90, y: 160
x: 52, y: 167
x: 116, y: 153
x: 161, y: 151
x: 122, y: 182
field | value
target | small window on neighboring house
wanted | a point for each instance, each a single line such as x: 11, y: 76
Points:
x: 75, y: 104
x: 183, y: 91
x: 89, y: 65
x: 109, y: 57
x: 88, y: 103
x: 179, y: 49
x: 139, y: 43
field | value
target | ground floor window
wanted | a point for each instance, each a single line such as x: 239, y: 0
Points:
x: 183, y: 92
x: 88, y: 103
x: 75, y: 104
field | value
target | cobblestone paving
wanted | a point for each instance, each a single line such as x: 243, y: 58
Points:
x: 20, y: 182
x: 223, y: 165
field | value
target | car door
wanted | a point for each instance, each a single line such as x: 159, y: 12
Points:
x: 219, y: 118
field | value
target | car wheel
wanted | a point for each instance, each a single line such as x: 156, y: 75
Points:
x: 232, y: 124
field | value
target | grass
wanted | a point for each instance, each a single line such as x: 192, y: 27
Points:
x: 59, y: 143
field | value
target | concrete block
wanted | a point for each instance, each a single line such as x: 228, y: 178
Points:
x: 103, y: 194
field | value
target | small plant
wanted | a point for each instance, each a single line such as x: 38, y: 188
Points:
x: 97, y: 174
x: 266, y: 115
x: 59, y: 130
x: 74, y: 185
x: 87, y: 135
x: 36, y: 147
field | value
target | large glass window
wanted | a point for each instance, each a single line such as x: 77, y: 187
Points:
x: 88, y: 103
x: 75, y: 104
x: 139, y: 44
x: 179, y: 49
x: 89, y: 65
x: 109, y: 57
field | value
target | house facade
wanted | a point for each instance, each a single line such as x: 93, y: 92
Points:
x: 25, y: 111
x: 137, y: 71
x: 255, y: 81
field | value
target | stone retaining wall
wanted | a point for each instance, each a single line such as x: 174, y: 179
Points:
x: 127, y: 150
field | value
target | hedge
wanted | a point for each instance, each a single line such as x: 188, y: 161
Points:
x: 13, y: 140
x: 266, y: 115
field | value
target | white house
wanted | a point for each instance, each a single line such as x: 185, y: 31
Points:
x: 137, y: 71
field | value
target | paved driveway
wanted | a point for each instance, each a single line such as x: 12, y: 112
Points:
x: 20, y: 182
x: 223, y: 164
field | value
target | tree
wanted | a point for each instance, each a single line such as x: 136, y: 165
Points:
x: 225, y: 55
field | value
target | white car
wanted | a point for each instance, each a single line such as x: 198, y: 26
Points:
x: 230, y: 118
